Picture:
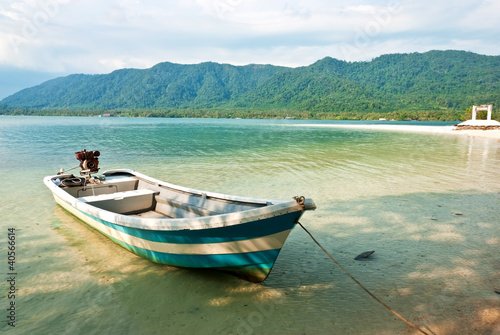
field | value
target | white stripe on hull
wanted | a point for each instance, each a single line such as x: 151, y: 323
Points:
x: 269, y: 242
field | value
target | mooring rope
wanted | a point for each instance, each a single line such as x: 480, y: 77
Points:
x: 360, y: 285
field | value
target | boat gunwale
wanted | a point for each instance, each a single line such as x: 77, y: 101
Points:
x: 271, y: 208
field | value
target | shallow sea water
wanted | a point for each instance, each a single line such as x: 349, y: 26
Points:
x: 427, y: 204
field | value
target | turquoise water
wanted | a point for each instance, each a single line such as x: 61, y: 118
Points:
x: 427, y: 204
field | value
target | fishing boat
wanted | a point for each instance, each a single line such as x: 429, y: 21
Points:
x: 176, y: 225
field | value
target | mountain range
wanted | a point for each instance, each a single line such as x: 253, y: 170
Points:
x: 445, y: 83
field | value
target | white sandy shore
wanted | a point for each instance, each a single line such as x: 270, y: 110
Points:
x: 417, y: 129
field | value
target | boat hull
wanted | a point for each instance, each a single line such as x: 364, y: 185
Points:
x: 247, y: 250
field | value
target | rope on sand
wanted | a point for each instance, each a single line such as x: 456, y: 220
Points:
x: 360, y: 285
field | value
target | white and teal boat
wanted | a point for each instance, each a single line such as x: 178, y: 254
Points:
x: 179, y: 226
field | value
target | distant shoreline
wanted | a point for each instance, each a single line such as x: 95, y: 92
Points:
x: 448, y: 130
x: 438, y: 130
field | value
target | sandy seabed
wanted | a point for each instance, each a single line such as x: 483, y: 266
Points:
x: 477, y: 321
x: 428, y: 205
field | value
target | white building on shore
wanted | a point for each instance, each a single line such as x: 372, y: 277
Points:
x: 474, y: 123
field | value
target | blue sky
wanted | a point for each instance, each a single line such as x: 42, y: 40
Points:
x: 44, y: 39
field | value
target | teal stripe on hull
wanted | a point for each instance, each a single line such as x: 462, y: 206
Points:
x: 252, y: 266
x: 265, y: 258
x: 238, y: 232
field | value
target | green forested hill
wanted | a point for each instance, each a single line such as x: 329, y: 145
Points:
x: 431, y: 85
x: 165, y: 85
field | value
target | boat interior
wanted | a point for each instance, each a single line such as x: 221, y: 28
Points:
x: 128, y: 194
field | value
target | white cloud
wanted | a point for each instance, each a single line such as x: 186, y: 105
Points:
x: 484, y: 17
x: 360, y: 9
x: 96, y: 37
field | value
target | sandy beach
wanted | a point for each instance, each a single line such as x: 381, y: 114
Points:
x: 417, y: 129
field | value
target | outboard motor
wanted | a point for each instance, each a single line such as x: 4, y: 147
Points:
x: 88, y: 161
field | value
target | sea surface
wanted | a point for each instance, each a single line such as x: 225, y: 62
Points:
x: 428, y: 204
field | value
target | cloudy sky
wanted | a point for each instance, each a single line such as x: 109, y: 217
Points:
x: 44, y: 39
